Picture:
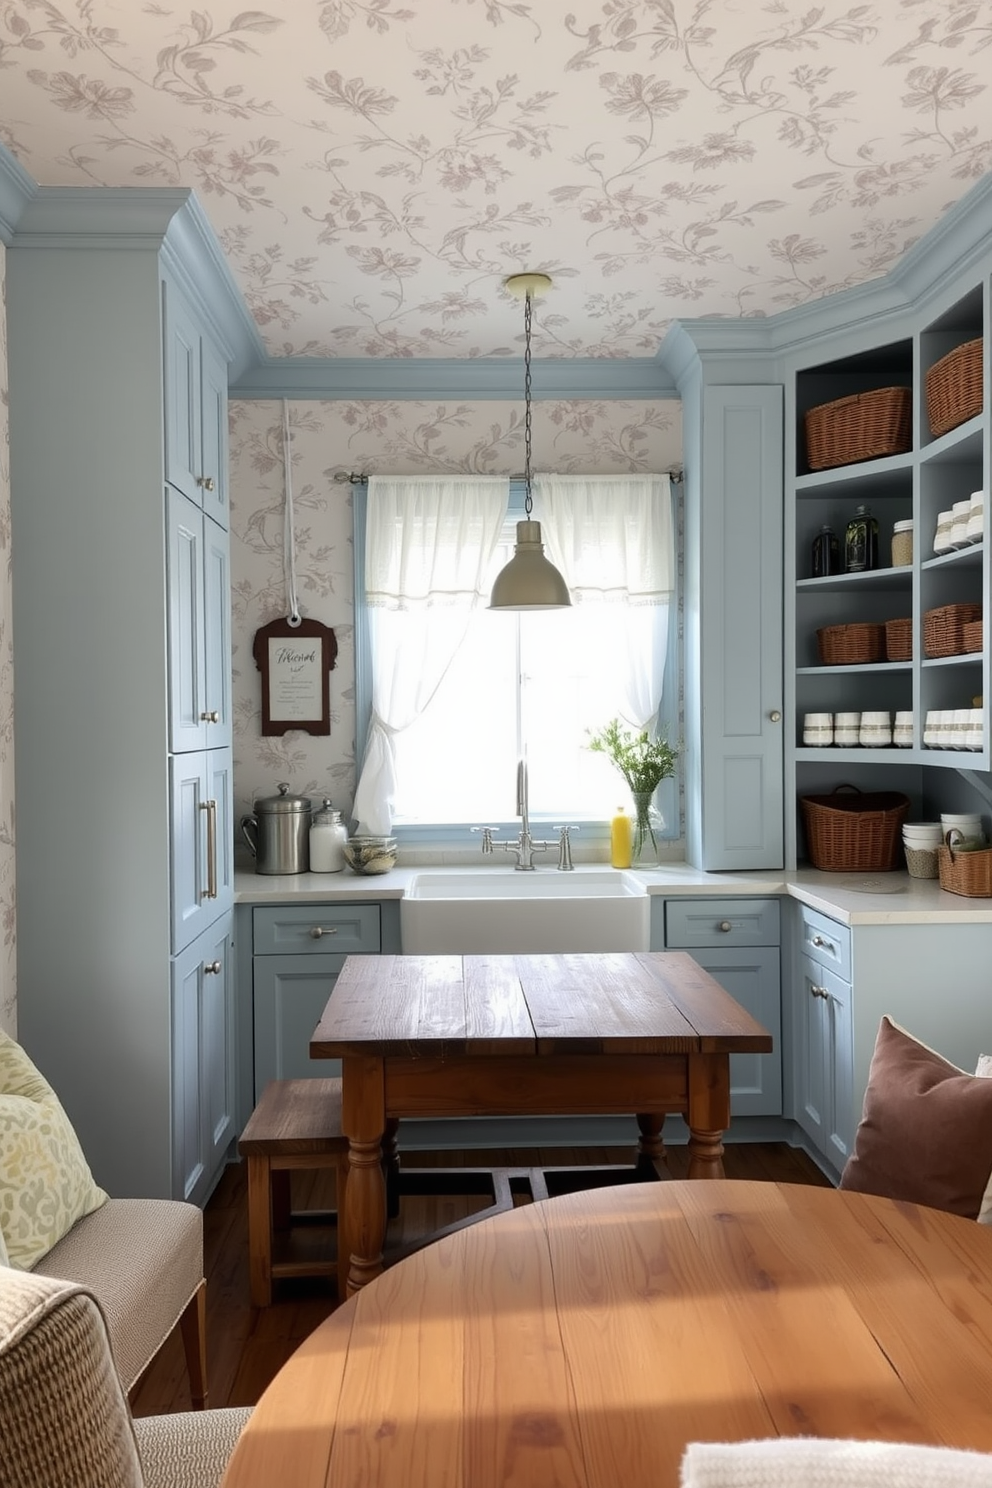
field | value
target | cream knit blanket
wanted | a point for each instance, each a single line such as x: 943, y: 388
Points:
x: 809, y: 1462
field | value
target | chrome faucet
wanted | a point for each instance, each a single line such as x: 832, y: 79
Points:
x: 525, y: 847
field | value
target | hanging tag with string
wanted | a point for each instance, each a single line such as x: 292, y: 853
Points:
x: 294, y: 655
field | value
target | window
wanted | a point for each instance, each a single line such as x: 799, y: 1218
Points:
x: 520, y: 684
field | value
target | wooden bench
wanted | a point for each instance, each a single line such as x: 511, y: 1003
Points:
x: 295, y: 1126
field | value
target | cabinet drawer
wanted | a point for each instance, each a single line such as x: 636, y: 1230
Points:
x: 827, y: 942
x: 315, y: 929
x: 721, y: 922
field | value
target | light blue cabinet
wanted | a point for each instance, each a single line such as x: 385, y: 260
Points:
x: 100, y: 406
x: 737, y: 942
x: 199, y: 602
x: 824, y: 1050
x: 203, y: 1062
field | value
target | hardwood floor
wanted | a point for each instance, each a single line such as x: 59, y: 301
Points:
x: 246, y: 1346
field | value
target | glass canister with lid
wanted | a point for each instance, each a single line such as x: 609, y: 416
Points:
x: 902, y: 543
x: 328, y: 835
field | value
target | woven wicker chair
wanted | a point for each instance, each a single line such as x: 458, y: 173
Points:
x: 64, y: 1418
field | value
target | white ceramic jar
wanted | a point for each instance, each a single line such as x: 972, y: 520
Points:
x: 961, y: 511
x: 942, y: 537
x: 847, y: 727
x: 876, y: 729
x: 976, y: 517
x: 818, y: 730
x: 902, y: 730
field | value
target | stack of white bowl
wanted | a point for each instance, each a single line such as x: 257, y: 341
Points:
x: 962, y: 826
x: 920, y: 841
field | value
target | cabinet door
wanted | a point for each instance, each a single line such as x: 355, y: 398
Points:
x: 216, y: 702
x: 824, y: 1061
x: 181, y: 342
x: 290, y: 994
x: 203, y: 1052
x: 752, y: 977
x: 202, y: 851
x: 734, y: 707
x: 212, y: 478
x: 188, y: 727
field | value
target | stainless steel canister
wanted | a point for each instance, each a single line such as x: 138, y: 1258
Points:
x: 278, y: 832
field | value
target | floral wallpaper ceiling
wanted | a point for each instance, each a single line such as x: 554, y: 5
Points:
x: 374, y: 168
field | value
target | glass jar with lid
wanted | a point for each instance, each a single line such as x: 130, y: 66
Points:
x: 328, y: 835
x: 902, y: 543
x: 825, y: 553
x: 861, y: 542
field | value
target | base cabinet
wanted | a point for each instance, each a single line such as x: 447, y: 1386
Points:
x: 737, y: 942
x: 297, y: 953
x: 203, y: 1067
x: 825, y: 1054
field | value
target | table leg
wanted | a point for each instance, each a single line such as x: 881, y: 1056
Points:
x: 708, y: 1115
x: 364, y: 1121
x: 650, y: 1146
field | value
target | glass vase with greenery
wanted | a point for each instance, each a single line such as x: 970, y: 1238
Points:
x: 643, y: 762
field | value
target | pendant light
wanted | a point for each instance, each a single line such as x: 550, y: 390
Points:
x: 529, y: 581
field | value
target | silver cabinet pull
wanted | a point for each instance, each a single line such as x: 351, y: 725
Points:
x: 205, y: 481
x: 316, y: 931
x: 775, y: 716
x: 828, y: 945
x: 210, y: 807
x: 212, y: 717
x: 725, y: 925
x: 816, y: 991
x: 212, y: 968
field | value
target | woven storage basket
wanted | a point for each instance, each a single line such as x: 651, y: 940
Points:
x: 856, y: 833
x: 921, y: 862
x: 954, y: 387
x: 943, y: 629
x: 862, y: 426
x: 972, y: 631
x: 848, y: 645
x: 966, y: 873
x: 899, y: 640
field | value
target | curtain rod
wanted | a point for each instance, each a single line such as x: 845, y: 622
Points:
x: 676, y: 475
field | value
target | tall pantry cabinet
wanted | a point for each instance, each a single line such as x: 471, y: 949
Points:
x: 118, y: 389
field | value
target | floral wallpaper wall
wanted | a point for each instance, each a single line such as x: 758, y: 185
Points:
x: 334, y: 438
x: 8, y: 968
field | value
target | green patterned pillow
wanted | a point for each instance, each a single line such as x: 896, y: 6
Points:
x: 45, y: 1181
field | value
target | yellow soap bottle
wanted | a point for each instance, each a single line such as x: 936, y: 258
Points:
x: 621, y: 836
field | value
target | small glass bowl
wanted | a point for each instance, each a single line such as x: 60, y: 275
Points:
x: 370, y: 855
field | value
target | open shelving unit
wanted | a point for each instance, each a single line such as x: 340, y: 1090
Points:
x: 919, y: 483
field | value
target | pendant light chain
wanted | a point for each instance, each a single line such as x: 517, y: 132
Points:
x: 528, y: 315
x: 289, y: 536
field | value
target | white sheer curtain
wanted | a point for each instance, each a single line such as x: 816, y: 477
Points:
x: 429, y: 547
x: 612, y: 538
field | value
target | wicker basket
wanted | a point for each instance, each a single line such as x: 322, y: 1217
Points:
x: 863, y: 426
x: 943, y: 629
x: 850, y: 645
x: 967, y: 873
x: 972, y: 631
x: 954, y: 387
x: 856, y: 833
x: 899, y: 640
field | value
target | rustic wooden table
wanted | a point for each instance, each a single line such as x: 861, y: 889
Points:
x: 641, y: 1033
x: 584, y: 1341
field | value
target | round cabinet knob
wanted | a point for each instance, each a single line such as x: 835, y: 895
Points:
x: 725, y: 925
x: 212, y: 717
x: 816, y: 991
x: 775, y: 716
x: 818, y: 940
x: 316, y: 931
x: 212, y: 968
x: 206, y: 481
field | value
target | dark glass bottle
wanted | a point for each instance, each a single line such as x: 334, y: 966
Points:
x: 861, y: 542
x: 825, y: 558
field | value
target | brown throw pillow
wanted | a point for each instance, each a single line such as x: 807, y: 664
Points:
x: 926, y: 1128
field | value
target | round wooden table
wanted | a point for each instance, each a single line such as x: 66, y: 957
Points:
x: 587, y: 1339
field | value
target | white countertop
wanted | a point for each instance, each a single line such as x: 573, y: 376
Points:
x: 851, y: 898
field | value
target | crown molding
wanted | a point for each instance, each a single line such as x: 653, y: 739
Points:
x: 16, y: 190
x: 479, y: 378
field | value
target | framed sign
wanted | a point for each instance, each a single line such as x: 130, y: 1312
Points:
x: 296, y: 662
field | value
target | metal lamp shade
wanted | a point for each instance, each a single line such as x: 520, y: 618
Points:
x: 529, y: 581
